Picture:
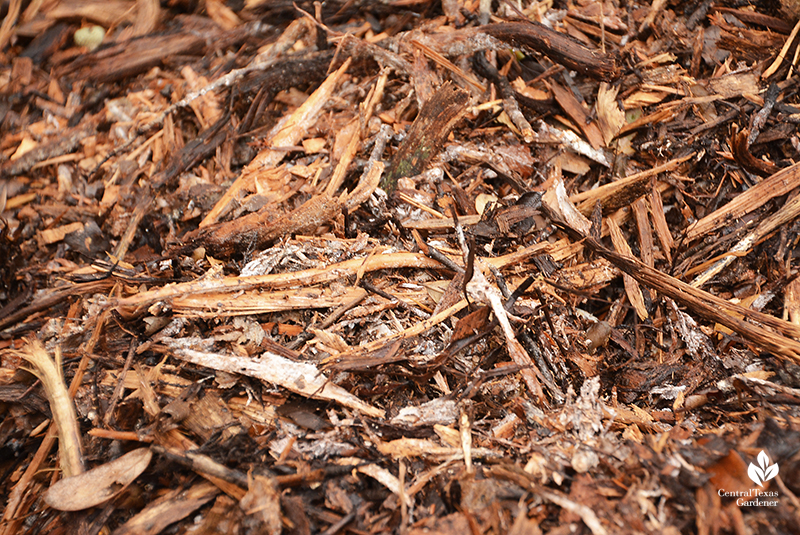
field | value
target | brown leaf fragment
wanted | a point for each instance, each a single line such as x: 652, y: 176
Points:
x: 99, y: 484
x: 171, y: 507
x: 208, y: 415
x: 610, y: 117
x: 470, y: 324
x: 453, y: 293
x: 224, y: 512
x: 730, y: 473
x: 102, y: 12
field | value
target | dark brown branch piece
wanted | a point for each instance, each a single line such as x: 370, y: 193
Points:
x: 559, y: 47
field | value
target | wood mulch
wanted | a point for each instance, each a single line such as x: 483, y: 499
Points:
x: 399, y: 267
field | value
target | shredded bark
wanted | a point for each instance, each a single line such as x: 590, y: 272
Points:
x: 399, y: 267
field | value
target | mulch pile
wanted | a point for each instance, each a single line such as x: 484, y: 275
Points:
x: 408, y: 266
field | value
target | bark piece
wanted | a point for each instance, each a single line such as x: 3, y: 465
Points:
x: 783, y: 342
x: 299, y: 377
x: 427, y: 134
x: 64, y: 144
x: 258, y: 229
x: 788, y: 213
x: 137, y: 55
x: 557, y: 46
x: 778, y: 184
x: 632, y: 288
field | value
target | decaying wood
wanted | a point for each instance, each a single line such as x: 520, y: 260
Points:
x: 302, y: 378
x: 51, y: 298
x: 281, y: 280
x: 258, y: 229
x: 778, y: 184
x: 193, y: 152
x: 615, y: 195
x: 561, y: 48
x: 788, y: 213
x: 62, y: 145
x: 430, y: 129
x: 783, y: 343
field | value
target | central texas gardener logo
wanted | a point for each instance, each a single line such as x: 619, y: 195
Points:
x: 764, y: 471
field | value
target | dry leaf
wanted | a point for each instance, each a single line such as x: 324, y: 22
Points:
x: 99, y: 484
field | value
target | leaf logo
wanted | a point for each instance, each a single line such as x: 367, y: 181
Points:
x: 763, y: 472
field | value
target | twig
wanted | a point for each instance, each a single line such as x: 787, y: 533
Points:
x: 402, y: 304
